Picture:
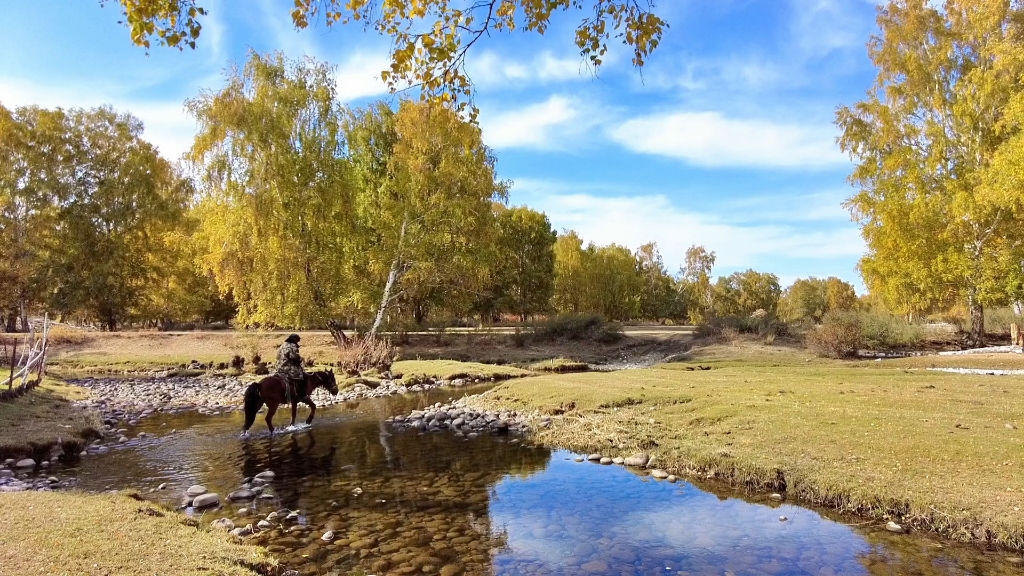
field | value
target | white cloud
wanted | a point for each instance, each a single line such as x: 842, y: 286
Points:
x: 544, y: 125
x: 632, y: 220
x: 491, y: 69
x: 359, y: 76
x: 167, y: 125
x: 712, y: 139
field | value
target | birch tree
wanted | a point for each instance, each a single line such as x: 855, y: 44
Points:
x: 923, y: 142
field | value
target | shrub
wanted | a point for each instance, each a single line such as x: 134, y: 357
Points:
x: 881, y: 331
x: 363, y: 353
x: 578, y: 328
x: 838, y: 336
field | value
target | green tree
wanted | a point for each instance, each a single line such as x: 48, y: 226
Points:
x: 31, y: 145
x: 743, y: 293
x: 524, y: 267
x: 695, y: 275
x: 424, y: 211
x: 429, y: 38
x: 276, y: 193
x: 570, y: 273
x: 613, y: 283
x: 840, y: 295
x: 812, y: 298
x: 660, y: 296
x: 924, y: 141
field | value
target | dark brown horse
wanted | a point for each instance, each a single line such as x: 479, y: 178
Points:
x: 271, y: 391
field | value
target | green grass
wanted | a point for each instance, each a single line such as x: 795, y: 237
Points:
x: 39, y: 418
x: 930, y: 449
x: 560, y: 366
x: 418, y: 370
x: 62, y: 533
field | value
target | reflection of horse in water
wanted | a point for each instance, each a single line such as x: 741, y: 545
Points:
x: 272, y: 391
x: 293, y: 458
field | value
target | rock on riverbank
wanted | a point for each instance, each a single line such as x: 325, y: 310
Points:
x: 463, y: 420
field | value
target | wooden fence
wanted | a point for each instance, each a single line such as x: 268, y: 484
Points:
x: 31, y: 360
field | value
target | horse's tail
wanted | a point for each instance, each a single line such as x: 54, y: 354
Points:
x: 253, y: 403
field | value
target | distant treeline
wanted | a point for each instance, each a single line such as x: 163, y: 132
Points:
x: 292, y: 210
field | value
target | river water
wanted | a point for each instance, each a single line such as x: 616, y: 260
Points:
x: 409, y: 503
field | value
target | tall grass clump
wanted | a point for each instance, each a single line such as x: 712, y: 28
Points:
x: 579, y: 328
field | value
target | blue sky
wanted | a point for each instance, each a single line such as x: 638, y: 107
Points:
x: 725, y: 139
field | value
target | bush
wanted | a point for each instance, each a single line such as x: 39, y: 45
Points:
x: 66, y: 335
x: 762, y: 325
x: 580, y: 328
x: 881, y: 331
x: 839, y: 335
x: 361, y: 354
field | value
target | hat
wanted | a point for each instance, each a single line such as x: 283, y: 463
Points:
x: 294, y: 339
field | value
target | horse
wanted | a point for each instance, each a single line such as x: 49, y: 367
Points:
x: 271, y: 391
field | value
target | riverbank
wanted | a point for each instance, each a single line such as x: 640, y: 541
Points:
x: 69, y: 534
x: 32, y: 425
x: 931, y: 451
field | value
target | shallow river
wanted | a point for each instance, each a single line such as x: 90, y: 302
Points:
x: 409, y: 503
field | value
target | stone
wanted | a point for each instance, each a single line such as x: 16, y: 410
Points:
x: 242, y: 532
x: 162, y: 486
x: 618, y: 460
x: 328, y: 536
x: 776, y: 497
x: 206, y: 500
x: 894, y: 527
x: 578, y: 459
x: 595, y: 567
x: 265, y: 476
x: 242, y: 495
x: 606, y: 460
x: 25, y: 463
x: 451, y: 570
x: 224, y: 524
x: 671, y: 478
x: 638, y: 460
x: 196, y: 490
x: 1010, y: 426
x: 659, y: 474
x: 264, y: 525
x: 594, y: 457
x: 783, y: 518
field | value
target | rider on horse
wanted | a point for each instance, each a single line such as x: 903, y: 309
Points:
x: 289, y: 366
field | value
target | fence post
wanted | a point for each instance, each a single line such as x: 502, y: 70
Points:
x: 14, y: 360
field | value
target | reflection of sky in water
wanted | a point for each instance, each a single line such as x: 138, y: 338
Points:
x: 616, y: 522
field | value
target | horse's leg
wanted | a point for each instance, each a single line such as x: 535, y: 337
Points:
x: 271, y: 408
x: 295, y: 409
x: 312, y: 410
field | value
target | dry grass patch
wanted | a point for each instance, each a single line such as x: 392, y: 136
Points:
x: 418, y: 370
x: 34, y: 422
x: 942, y: 452
x: 983, y: 361
x: 73, y: 534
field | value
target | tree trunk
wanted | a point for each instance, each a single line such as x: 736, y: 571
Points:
x: 977, y: 336
x: 385, y: 299
x: 334, y: 327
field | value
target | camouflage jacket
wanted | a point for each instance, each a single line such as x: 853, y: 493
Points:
x: 289, y: 363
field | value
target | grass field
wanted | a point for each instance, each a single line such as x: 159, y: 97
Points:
x: 41, y: 417
x: 71, y: 534
x: 942, y: 452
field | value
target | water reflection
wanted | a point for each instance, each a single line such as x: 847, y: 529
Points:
x: 432, y: 503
